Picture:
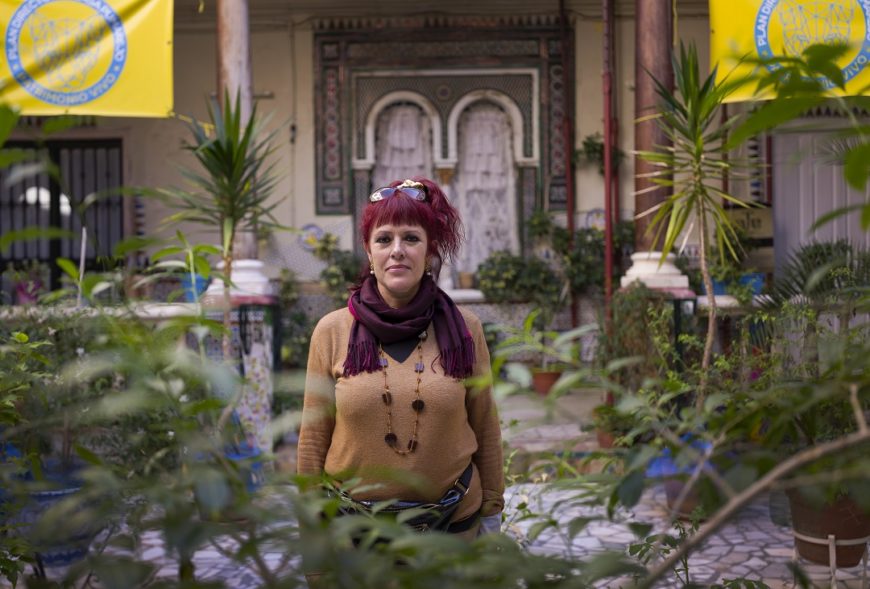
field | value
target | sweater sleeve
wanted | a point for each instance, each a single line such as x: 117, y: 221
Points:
x: 318, y: 407
x: 483, y: 417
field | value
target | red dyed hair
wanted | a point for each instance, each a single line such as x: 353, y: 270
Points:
x: 435, y: 215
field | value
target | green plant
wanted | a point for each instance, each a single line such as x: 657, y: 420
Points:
x: 508, y: 278
x: 233, y: 187
x: 582, y: 263
x: 342, y: 268
x: 592, y: 152
x: 693, y: 168
x: 28, y: 278
x: 632, y: 335
x: 608, y: 418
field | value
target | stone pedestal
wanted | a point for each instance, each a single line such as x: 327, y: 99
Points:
x: 649, y: 269
x: 248, y: 279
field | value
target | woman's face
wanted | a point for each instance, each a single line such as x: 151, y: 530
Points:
x: 398, y: 254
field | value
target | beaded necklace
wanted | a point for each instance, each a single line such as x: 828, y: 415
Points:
x: 416, y: 405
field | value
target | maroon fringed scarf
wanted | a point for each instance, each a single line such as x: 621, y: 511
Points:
x: 375, y: 321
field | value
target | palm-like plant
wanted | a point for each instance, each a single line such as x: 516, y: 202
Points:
x: 233, y: 186
x: 693, y: 168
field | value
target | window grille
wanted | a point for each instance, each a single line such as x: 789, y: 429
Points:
x: 40, y: 199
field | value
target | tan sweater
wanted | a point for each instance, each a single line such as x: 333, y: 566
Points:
x: 344, y: 422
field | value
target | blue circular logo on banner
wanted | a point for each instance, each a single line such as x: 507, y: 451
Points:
x: 811, y: 22
x: 66, y: 50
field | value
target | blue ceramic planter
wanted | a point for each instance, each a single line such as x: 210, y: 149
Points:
x: 65, y: 546
x: 755, y: 280
x: 247, y: 458
x: 193, y: 289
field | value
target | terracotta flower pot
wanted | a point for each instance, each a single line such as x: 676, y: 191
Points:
x: 605, y: 439
x: 543, y: 380
x: 466, y: 280
x: 842, y: 519
x: 673, y: 489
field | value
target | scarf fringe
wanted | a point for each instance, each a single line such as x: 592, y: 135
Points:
x: 362, y: 356
x: 458, y: 362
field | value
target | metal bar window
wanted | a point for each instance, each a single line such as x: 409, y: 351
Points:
x: 86, y: 167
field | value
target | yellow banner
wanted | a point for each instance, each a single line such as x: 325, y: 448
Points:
x: 767, y: 28
x: 89, y: 57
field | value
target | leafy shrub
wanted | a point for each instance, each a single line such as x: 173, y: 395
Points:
x: 508, y: 278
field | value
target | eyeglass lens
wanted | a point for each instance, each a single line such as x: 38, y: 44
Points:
x: 385, y: 193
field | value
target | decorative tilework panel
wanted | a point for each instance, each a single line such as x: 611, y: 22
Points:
x: 255, y: 406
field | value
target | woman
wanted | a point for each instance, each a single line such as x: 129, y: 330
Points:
x: 386, y: 399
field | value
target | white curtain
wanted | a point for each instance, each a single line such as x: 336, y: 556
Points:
x: 484, y: 186
x: 403, y: 144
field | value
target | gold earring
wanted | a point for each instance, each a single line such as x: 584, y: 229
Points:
x: 429, y: 268
x: 371, y: 268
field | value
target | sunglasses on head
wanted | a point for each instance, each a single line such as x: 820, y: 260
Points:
x: 415, y: 190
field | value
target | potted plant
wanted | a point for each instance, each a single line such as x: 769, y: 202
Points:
x: 231, y: 191
x: 342, y: 269
x: 28, y: 280
x: 506, y: 278
x: 811, y: 314
x: 690, y: 117
x: 592, y: 152
x: 611, y: 425
x: 51, y: 431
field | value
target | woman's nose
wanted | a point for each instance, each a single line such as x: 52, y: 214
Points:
x: 397, y: 248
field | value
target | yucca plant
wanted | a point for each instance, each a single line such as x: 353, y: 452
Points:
x: 692, y: 168
x: 231, y: 191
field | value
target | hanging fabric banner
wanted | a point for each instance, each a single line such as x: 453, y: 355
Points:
x: 767, y: 28
x: 87, y: 57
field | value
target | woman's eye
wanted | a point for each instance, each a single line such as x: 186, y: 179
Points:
x: 412, y: 238
x: 383, y: 239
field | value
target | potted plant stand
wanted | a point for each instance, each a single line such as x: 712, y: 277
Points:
x: 833, y: 534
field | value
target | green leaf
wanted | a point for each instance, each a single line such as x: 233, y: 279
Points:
x: 630, y: 488
x: 166, y: 251
x: 538, y: 527
x: 577, y: 525
x: 835, y: 214
x: 69, y: 268
x: 202, y: 267
x: 87, y: 455
x: 857, y: 166
x: 32, y: 233
x: 205, y: 248
x: 8, y: 120
x: 134, y: 244
x: 640, y: 530
x: 772, y: 114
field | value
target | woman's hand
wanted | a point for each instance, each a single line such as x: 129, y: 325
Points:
x: 490, y: 524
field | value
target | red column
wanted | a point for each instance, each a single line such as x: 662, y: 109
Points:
x: 234, y: 53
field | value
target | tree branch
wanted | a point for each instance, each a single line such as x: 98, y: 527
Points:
x: 856, y: 407
x: 723, y: 515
